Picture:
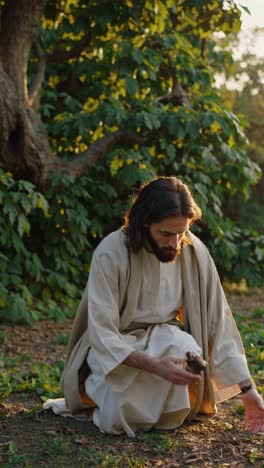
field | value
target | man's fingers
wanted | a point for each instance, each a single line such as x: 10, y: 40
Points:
x: 254, y: 424
x: 172, y: 369
x: 192, y: 377
x: 181, y: 363
x: 255, y: 428
x: 184, y: 377
x: 177, y: 361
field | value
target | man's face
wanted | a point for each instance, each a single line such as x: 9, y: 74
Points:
x: 164, y: 238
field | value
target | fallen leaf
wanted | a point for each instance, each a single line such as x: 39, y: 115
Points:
x: 82, y: 440
x: 51, y: 432
x: 192, y: 460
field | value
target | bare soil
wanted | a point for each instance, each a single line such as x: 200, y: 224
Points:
x: 43, y: 439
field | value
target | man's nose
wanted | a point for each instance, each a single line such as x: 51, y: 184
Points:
x: 174, y: 242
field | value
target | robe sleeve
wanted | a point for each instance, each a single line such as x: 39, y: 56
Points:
x: 228, y: 360
x: 107, y: 343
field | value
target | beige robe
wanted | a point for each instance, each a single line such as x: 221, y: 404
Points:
x: 116, y: 279
x: 129, y: 399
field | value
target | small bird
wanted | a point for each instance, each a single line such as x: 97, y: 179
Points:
x: 194, y: 363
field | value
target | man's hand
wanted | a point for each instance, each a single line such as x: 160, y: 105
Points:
x: 169, y: 368
x: 254, y: 411
x: 172, y: 369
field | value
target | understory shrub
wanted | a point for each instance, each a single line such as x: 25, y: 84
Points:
x: 47, y: 242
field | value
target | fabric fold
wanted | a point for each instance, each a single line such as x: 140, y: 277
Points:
x: 207, y: 318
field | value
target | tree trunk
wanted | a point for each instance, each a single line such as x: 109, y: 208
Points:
x: 24, y: 143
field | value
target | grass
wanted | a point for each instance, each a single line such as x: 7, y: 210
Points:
x: 41, y: 379
x: 58, y: 452
x: 61, y: 444
x: 160, y: 443
x: 252, y: 334
x: 14, y: 458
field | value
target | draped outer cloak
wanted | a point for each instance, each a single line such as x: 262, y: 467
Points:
x: 207, y: 317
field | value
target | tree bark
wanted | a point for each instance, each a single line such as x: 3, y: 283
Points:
x: 18, y: 25
x: 24, y: 143
x: 97, y: 151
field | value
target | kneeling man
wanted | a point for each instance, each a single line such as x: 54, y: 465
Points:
x: 153, y: 295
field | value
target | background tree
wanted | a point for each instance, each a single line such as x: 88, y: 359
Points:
x: 95, y: 98
x: 243, y: 95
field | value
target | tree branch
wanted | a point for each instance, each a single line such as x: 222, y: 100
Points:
x: 96, y: 152
x: 33, y: 92
x: 177, y: 95
x: 203, y: 48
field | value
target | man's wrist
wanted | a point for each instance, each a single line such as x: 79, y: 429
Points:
x: 141, y: 360
x: 246, y: 386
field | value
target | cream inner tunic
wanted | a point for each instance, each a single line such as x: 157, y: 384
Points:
x: 129, y: 399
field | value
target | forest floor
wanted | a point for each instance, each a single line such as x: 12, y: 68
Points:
x: 31, y: 362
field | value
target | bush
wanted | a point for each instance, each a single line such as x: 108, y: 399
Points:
x: 47, y: 242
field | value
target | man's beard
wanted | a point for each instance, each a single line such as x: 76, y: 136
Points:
x: 163, y: 254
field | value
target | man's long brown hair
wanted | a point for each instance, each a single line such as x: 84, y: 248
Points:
x: 155, y: 201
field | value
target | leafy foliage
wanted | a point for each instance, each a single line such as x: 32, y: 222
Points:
x: 149, y: 69
x: 252, y: 334
x: 39, y: 264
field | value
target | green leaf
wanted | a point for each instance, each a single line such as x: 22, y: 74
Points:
x: 23, y: 225
x: 130, y: 175
x: 151, y: 120
x: 131, y: 86
x: 137, y: 55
